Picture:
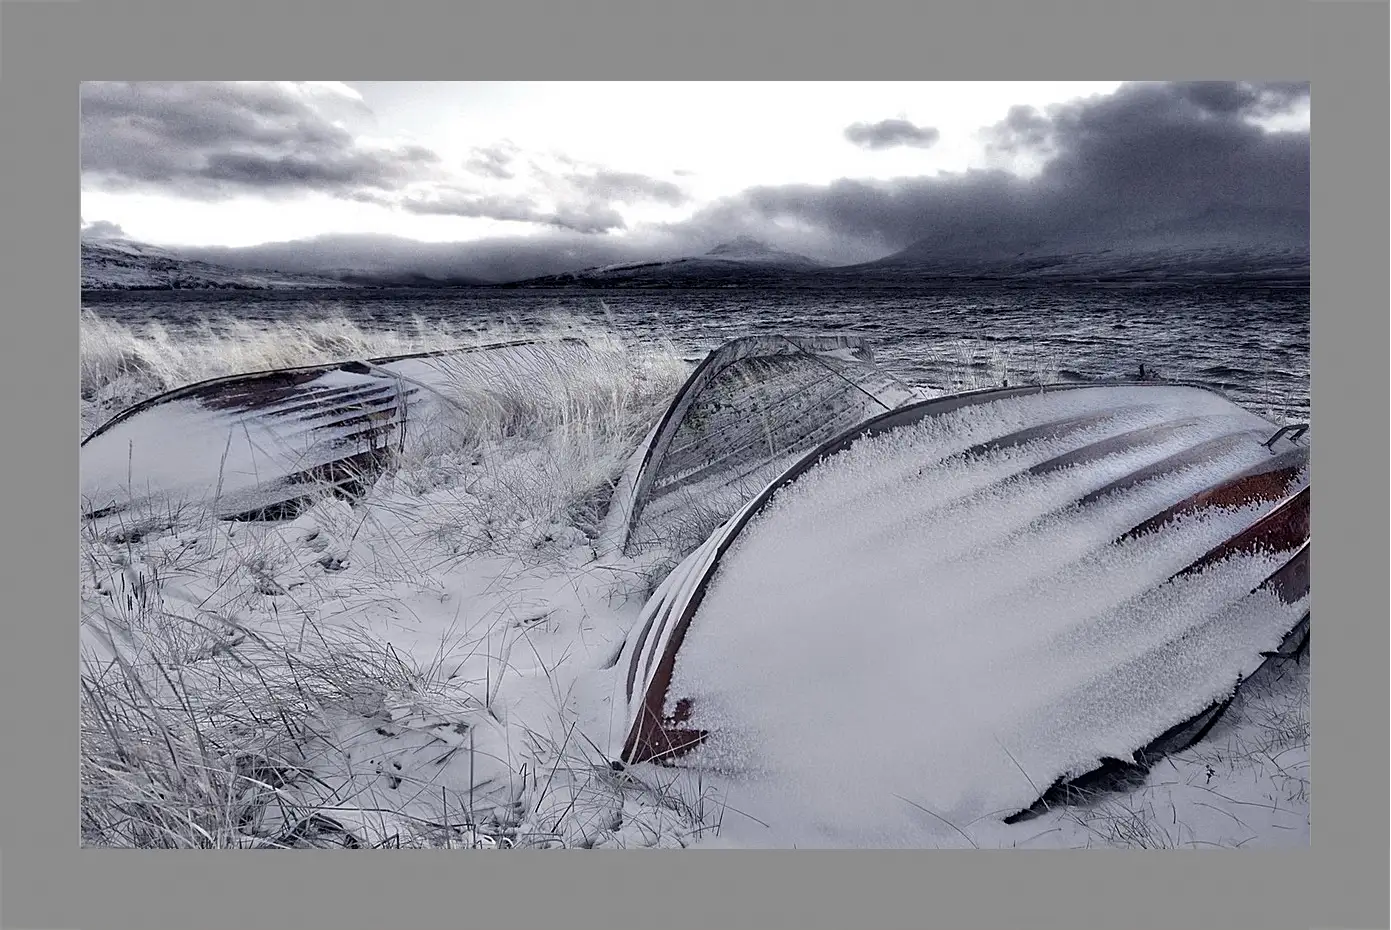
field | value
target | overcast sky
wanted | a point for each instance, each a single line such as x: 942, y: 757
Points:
x: 843, y: 171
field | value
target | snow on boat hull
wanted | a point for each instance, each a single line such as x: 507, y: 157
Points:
x: 1024, y: 581
x: 749, y: 409
x: 259, y: 445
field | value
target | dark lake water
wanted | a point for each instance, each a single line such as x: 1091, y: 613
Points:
x: 1250, y: 343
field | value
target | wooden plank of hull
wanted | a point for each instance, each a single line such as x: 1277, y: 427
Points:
x: 1282, y: 529
x: 1265, y: 481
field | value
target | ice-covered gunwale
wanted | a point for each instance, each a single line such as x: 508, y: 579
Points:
x: 1071, y: 573
x: 749, y: 409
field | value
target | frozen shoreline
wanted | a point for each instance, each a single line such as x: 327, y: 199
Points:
x: 427, y: 668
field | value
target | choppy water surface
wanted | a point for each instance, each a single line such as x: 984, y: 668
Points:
x: 1252, y: 344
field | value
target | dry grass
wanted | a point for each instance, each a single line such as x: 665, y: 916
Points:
x: 206, y: 727
x: 218, y: 710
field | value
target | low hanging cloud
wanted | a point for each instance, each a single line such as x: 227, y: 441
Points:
x: 627, y: 187
x: 503, y: 258
x: 586, y: 217
x: 102, y: 229
x: 473, y: 205
x: 215, y: 140
x: 891, y: 133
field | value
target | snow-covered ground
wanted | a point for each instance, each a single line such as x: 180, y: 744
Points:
x: 431, y: 667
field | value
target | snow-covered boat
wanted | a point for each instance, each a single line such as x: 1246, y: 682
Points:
x: 750, y: 408
x: 259, y: 445
x: 981, y: 596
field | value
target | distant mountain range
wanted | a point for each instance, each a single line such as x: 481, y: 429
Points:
x: 1140, y: 260
x: 1120, y: 265
x: 124, y: 265
x: 1207, y: 248
x: 743, y: 262
x: 1191, y: 255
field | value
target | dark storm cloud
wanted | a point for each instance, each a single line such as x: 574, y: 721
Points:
x: 215, y: 140
x: 1179, y: 162
x: 1245, y: 98
x: 1023, y: 128
x: 102, y: 229
x: 1220, y: 111
x: 891, y: 133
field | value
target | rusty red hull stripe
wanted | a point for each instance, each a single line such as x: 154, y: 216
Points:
x: 1284, y: 528
x: 1265, y: 482
x: 1196, y: 455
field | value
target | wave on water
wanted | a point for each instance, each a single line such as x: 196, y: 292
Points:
x: 138, y: 344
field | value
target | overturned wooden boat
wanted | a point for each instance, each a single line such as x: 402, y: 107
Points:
x: 749, y: 409
x: 263, y: 444
x: 981, y: 595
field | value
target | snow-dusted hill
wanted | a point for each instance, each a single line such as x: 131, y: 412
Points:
x: 125, y: 265
x: 1118, y: 265
x: 742, y: 262
x: 1249, y: 247
x: 1157, y: 256
x: 745, y: 263
x: 749, y: 250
